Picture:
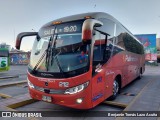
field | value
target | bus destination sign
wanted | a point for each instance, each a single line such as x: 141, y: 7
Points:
x: 65, y: 28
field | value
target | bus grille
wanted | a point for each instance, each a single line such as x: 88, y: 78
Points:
x: 49, y: 91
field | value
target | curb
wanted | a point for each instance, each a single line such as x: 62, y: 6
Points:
x: 6, y: 77
x: 12, y: 83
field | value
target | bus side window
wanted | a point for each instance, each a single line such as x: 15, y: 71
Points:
x: 101, y: 52
x: 108, y: 52
x: 98, y: 53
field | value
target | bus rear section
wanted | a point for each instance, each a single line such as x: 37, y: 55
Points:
x: 80, y: 61
x: 4, y: 59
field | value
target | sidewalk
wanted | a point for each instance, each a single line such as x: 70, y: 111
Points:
x: 148, y: 99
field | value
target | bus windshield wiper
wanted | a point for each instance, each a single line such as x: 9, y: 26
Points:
x: 41, y: 58
x: 59, y: 66
x: 48, y: 51
x: 54, y: 55
x: 50, y: 54
x: 53, y: 49
x: 35, y: 67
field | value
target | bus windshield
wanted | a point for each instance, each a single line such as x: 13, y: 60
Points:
x: 68, y: 55
x: 66, y: 52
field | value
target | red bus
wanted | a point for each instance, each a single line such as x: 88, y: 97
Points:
x: 81, y: 60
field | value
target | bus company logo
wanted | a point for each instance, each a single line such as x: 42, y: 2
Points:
x: 109, y: 72
x: 45, y: 74
x: 98, y: 68
x: 130, y: 58
x: 96, y: 97
x: 42, y: 79
x: 46, y: 80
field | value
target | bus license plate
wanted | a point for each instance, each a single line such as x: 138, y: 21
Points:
x: 46, y: 98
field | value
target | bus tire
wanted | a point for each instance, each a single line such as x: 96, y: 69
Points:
x: 140, y: 74
x: 116, y: 89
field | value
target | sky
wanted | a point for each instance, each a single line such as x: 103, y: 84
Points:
x: 138, y: 16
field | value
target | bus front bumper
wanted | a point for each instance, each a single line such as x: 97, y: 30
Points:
x: 81, y: 100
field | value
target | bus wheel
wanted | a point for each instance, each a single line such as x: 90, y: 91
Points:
x: 115, y: 90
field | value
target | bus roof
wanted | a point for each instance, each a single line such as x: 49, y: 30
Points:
x: 95, y: 15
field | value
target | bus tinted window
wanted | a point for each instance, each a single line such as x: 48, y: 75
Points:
x: 102, y: 50
x: 125, y: 41
x: 98, y: 53
x: 133, y: 45
x: 120, y: 33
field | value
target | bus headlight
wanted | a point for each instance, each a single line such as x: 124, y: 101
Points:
x: 30, y: 84
x: 76, y: 89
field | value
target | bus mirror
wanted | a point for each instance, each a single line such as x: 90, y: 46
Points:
x: 87, y: 36
x: 21, y: 35
x: 87, y: 29
x: 98, y: 24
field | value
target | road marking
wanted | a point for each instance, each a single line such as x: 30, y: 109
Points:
x: 128, y: 94
x: 12, y: 83
x: 10, y: 109
x: 22, y: 103
x: 136, y: 97
x: 22, y: 85
x: 5, y: 96
x: 4, y: 108
x: 116, y: 104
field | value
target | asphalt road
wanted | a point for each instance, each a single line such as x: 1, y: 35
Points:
x: 18, y: 73
x: 151, y: 74
x: 15, y: 70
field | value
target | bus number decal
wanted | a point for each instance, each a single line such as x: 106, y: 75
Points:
x: 63, y: 84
